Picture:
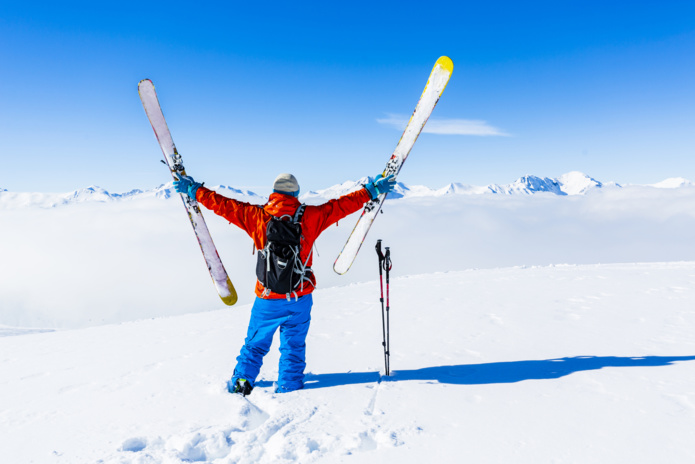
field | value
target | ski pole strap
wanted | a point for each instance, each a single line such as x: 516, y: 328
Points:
x: 388, y: 265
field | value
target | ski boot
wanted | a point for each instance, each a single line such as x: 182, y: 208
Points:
x: 240, y: 386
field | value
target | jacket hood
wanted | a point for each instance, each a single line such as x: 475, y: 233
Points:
x: 280, y: 204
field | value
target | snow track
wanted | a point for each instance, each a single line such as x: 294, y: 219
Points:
x: 287, y: 436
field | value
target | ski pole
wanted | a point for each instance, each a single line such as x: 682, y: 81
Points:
x: 381, y: 299
x: 387, y: 267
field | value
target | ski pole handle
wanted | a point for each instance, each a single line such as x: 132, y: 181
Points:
x: 379, y: 252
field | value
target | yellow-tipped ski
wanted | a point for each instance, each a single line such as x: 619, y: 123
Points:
x: 436, y: 83
x: 223, y: 284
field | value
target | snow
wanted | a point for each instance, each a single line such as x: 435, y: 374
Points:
x: 114, y: 347
x: 674, y: 182
x: 577, y: 183
x: 567, y: 363
x: 7, y: 331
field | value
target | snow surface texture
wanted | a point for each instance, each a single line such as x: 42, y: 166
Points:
x: 96, y: 262
x: 564, y: 364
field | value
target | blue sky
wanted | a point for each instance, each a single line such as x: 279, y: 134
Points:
x: 252, y: 89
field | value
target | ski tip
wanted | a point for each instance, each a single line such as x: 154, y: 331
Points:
x: 340, y: 267
x: 231, y: 298
x: 341, y: 271
x: 145, y: 82
x: 446, y: 63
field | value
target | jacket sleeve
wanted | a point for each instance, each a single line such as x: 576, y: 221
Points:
x: 327, y: 214
x: 243, y: 215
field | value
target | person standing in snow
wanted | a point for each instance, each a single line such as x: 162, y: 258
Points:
x: 289, y: 312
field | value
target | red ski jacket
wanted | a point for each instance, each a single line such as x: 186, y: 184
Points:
x: 254, y: 220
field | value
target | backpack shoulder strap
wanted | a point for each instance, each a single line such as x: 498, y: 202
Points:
x: 299, y: 213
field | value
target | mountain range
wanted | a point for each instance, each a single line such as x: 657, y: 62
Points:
x: 572, y: 183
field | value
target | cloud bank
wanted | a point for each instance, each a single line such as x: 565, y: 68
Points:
x: 95, y: 263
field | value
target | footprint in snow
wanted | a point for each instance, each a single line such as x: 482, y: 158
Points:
x: 134, y: 445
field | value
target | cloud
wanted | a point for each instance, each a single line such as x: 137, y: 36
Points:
x: 446, y: 126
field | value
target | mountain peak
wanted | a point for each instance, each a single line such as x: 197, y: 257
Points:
x: 527, y: 185
x: 577, y: 183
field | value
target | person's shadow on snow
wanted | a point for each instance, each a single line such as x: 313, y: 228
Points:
x: 490, y: 373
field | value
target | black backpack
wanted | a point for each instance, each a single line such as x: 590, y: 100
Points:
x: 279, y: 267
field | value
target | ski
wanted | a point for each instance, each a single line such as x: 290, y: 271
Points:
x: 223, y: 284
x: 439, y: 77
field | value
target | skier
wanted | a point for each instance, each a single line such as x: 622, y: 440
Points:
x: 271, y: 310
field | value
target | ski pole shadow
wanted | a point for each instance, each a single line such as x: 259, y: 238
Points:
x: 494, y: 373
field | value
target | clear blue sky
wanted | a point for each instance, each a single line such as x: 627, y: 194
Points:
x: 251, y: 89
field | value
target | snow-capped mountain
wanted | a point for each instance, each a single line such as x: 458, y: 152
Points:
x: 457, y: 188
x: 94, y: 193
x: 49, y: 200
x: 9, y: 200
x: 578, y: 183
x: 571, y: 183
x: 528, y: 185
x: 673, y: 182
x: 335, y: 191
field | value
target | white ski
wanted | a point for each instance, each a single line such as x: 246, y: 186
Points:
x: 439, y: 77
x: 154, y: 112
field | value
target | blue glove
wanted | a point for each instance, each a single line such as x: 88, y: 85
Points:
x: 381, y: 185
x: 186, y: 185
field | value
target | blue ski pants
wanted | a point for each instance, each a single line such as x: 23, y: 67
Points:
x: 293, y: 318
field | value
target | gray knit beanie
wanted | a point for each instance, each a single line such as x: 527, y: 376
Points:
x: 286, y: 183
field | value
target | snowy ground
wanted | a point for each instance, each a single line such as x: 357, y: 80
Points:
x: 565, y: 364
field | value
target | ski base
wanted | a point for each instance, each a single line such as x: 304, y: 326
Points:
x: 222, y: 282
